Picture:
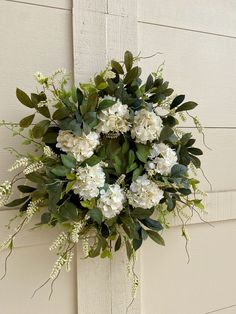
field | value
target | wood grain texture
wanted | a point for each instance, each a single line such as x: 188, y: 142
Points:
x: 54, y: 4
x: 199, y: 65
x: 207, y: 16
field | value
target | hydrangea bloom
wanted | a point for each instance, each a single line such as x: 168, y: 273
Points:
x: 114, y: 118
x: 165, y: 162
x: 111, y: 201
x: 146, y: 127
x: 82, y: 147
x: 144, y: 193
x: 89, y: 180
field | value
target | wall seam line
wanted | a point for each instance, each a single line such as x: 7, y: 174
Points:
x: 187, y: 29
x: 38, y: 5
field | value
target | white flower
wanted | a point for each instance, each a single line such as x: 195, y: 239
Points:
x: 144, y: 193
x: 77, y: 228
x: 32, y: 208
x: 5, y: 192
x: 89, y: 180
x: 146, y: 127
x: 40, y: 78
x: 163, y: 158
x: 108, y: 74
x: 114, y: 118
x: 82, y: 147
x: 21, y: 162
x: 60, y: 240
x: 33, y: 167
x: 48, y: 152
x: 111, y: 201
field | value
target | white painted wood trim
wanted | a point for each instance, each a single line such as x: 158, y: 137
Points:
x: 103, y: 29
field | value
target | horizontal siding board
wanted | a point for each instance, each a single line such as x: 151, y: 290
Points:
x: 54, y: 4
x: 199, y: 65
x: 28, y: 268
x: 216, y: 16
x: 25, y: 49
x: 218, y: 163
x: 206, y: 284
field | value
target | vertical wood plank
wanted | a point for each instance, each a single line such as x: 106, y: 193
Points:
x: 103, y: 30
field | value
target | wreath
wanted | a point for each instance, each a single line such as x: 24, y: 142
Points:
x: 110, y: 161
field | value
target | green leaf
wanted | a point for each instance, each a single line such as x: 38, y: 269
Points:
x: 17, y: 202
x: 25, y: 189
x: 149, y: 83
x: 106, y: 103
x: 24, y: 98
x: 131, y: 167
x: 95, y: 252
x: 137, y: 172
x: 177, y: 101
x: 92, y: 161
x: 129, y: 249
x: 96, y: 215
x: 106, y: 253
x: 128, y: 59
x: 166, y: 132
x: 155, y: 237
x: 91, y: 118
x: 187, y: 106
x: 118, y: 243
x: 79, y: 95
x: 92, y: 102
x: 133, y: 74
x: 89, y: 203
x: 35, y: 177
x: 178, y: 170
x: 44, y: 111
x: 185, y: 192
x: 131, y: 157
x: 25, y: 122
x: 142, y: 213
x: 143, y: 151
x: 100, y: 82
x: 46, y: 218
x: 195, y: 151
x: 60, y: 113
x: 196, y: 161
x: 68, y: 161
x: 70, y: 185
x: 40, y: 128
x: 60, y: 171
x: 69, y: 210
x: 152, y: 224
x: 117, y: 67
x: 137, y: 243
x: 50, y: 137
x: 37, y: 98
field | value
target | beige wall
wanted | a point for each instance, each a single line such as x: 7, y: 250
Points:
x: 197, y: 41
x: 33, y: 36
